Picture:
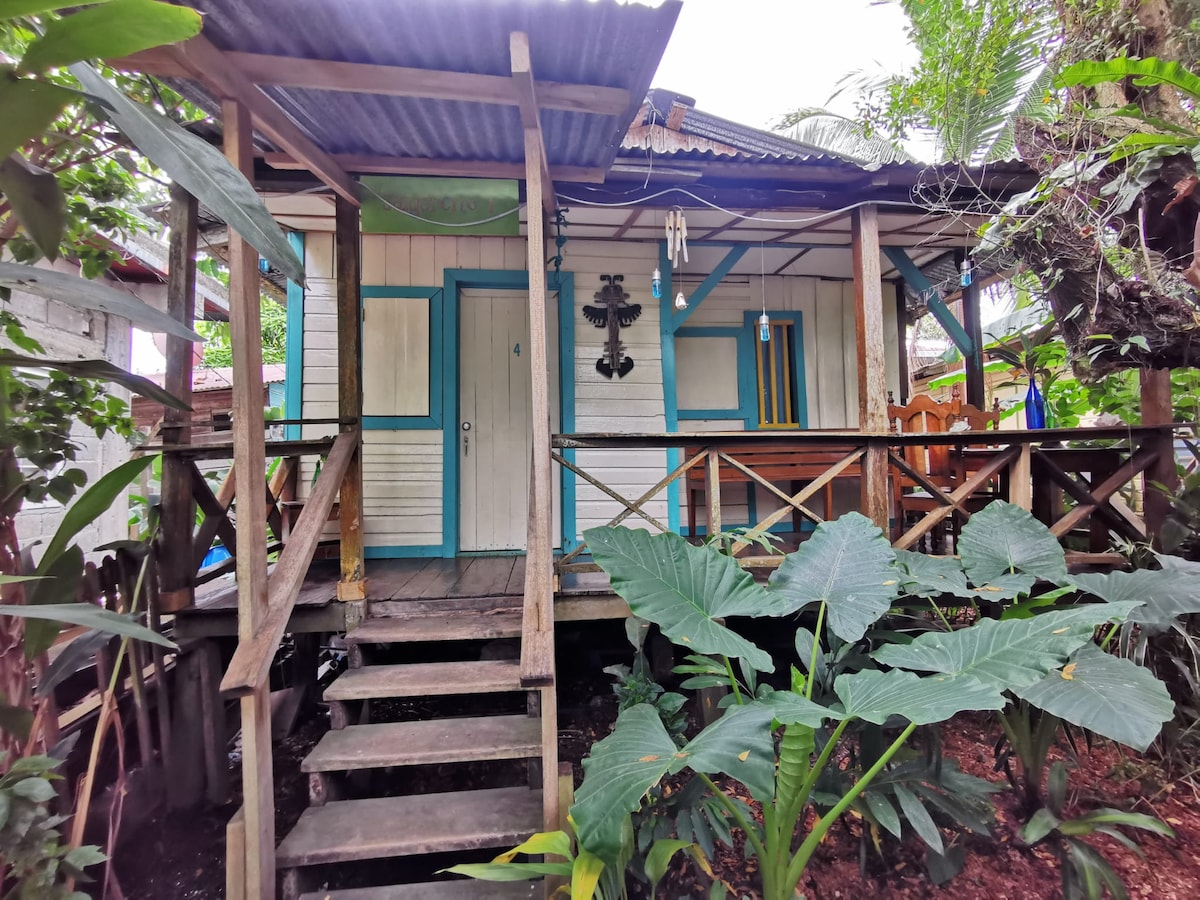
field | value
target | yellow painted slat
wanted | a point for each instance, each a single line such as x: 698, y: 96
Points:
x: 774, y: 381
x: 785, y: 345
x: 762, y: 411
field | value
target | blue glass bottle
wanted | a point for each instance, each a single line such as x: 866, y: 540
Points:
x: 1035, y: 406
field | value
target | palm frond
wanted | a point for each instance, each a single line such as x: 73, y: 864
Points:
x: 842, y: 136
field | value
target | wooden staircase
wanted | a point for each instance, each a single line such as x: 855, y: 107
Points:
x: 357, y: 816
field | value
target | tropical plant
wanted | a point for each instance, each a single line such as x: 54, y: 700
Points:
x: 34, y: 860
x: 848, y: 573
x: 584, y: 875
x: 1085, y: 871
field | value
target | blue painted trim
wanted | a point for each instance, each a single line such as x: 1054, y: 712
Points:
x: 454, y: 281
x: 293, y: 379
x: 670, y: 401
x: 433, y: 421
x: 745, y: 393
x: 736, y: 252
x: 918, y: 282
x: 748, y: 371
x: 403, y: 551
x: 565, y: 283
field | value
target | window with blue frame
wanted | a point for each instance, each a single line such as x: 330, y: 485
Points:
x: 724, y: 372
x: 402, y: 357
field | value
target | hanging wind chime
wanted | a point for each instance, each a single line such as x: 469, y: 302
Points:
x: 676, y: 234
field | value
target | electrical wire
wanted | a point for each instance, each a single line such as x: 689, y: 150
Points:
x: 411, y: 215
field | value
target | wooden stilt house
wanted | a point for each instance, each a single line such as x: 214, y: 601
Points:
x: 496, y: 348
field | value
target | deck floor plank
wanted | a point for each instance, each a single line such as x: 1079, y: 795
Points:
x: 388, y: 577
x: 437, y: 575
x: 487, y: 576
x: 516, y: 579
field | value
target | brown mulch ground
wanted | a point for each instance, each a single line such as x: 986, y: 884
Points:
x: 181, y: 857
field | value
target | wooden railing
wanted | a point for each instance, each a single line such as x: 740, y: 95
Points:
x: 1037, y: 470
x: 537, y: 620
x: 251, y: 661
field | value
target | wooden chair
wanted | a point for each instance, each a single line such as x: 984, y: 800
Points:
x: 937, y: 462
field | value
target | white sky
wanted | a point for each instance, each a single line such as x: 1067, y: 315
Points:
x: 754, y: 60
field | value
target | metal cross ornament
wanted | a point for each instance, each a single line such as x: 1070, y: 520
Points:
x: 614, y: 314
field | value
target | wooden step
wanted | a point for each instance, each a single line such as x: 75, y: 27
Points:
x: 423, y: 743
x: 469, y: 627
x: 427, y: 680
x: 379, y: 828
x: 439, y: 890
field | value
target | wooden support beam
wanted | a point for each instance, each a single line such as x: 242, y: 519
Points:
x: 1157, y: 410
x: 527, y: 102
x: 918, y: 282
x: 347, y: 253
x: 736, y: 252
x: 902, y: 341
x: 450, y: 168
x: 390, y: 81
x: 212, y: 67
x: 251, y: 663
x: 178, y: 510
x: 537, y: 631
x: 249, y: 460
x: 629, y: 222
x: 972, y: 324
x: 872, y: 368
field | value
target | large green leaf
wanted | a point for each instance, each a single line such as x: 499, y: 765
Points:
x: 90, y: 505
x: 682, y: 589
x: 1144, y: 72
x: 113, y: 29
x: 1011, y: 654
x: 88, y: 616
x: 36, y: 200
x: 97, y: 368
x: 789, y: 708
x: 847, y: 564
x: 639, y: 753
x: 738, y: 744
x: 200, y: 168
x: 873, y: 696
x: 1105, y: 694
x: 30, y: 107
x: 84, y: 294
x: 931, y: 576
x: 60, y: 583
x: 617, y: 773
x: 1002, y: 539
x: 1165, y: 594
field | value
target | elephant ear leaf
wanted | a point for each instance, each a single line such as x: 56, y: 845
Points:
x: 847, y: 564
x: 1112, y: 697
x: 682, y: 589
x: 1003, y: 539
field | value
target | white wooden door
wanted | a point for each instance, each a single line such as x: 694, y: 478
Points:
x: 494, y: 401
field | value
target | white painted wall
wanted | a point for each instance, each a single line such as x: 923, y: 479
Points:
x: 403, y: 468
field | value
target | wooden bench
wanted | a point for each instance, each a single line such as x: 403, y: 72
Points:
x: 778, y: 464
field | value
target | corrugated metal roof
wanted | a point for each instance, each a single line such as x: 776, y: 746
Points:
x: 574, y: 41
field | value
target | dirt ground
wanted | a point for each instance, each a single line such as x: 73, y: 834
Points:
x: 181, y: 857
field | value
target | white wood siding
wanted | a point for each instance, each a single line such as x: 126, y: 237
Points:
x: 403, y: 468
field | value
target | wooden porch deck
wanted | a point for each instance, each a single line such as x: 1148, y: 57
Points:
x: 582, y: 596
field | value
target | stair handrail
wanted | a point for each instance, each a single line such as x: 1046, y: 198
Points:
x: 537, y: 619
x: 251, y: 663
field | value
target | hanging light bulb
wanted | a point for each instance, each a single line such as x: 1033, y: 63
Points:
x: 964, y: 273
x: 680, y: 301
x: 656, y: 284
x: 764, y: 328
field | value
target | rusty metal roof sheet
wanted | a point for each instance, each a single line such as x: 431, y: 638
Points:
x: 576, y: 41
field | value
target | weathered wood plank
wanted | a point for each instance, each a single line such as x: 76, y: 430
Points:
x: 252, y: 660
x: 249, y: 459
x: 178, y: 509
x: 426, y: 680
x: 1156, y: 410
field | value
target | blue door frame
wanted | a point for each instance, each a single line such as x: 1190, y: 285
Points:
x: 455, y: 281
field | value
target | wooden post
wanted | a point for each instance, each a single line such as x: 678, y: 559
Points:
x: 178, y: 509
x: 249, y: 460
x: 712, y: 474
x: 347, y: 249
x: 872, y: 369
x: 973, y: 364
x: 902, y: 341
x: 1157, y: 410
